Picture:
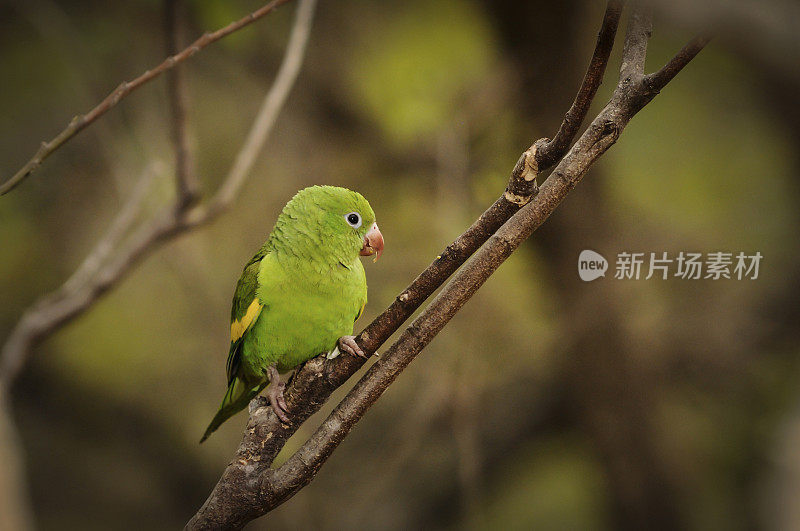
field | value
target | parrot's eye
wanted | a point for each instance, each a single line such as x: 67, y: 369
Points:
x: 353, y: 219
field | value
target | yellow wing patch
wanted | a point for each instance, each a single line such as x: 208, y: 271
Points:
x: 239, y: 327
x: 360, y: 311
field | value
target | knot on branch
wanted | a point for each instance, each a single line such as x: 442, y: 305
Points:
x: 522, y: 185
x: 608, y: 132
x: 257, y: 403
x: 520, y: 200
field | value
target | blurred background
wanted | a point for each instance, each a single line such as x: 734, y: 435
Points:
x: 548, y: 402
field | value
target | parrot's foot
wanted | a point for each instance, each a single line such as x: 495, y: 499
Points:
x: 275, y: 395
x: 348, y: 344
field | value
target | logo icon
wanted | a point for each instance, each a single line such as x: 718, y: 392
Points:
x: 591, y: 265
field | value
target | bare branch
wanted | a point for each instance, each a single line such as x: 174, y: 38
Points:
x: 314, y: 382
x: 103, y: 268
x: 121, y: 226
x: 185, y: 177
x: 278, y: 485
x: 266, y: 117
x: 657, y: 80
x: 550, y: 152
x: 78, y: 123
x: 61, y: 306
x: 249, y: 487
x: 634, y: 52
x: 301, y: 467
x: 48, y: 312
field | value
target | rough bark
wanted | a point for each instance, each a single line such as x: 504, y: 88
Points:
x: 249, y: 487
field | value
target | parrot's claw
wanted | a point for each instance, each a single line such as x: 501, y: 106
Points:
x: 276, y: 400
x: 348, y: 344
x: 275, y: 395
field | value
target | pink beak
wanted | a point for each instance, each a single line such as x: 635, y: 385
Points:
x: 373, y: 243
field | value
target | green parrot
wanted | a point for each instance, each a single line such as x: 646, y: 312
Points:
x: 300, y: 295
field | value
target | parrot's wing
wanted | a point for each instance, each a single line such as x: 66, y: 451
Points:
x: 244, y: 312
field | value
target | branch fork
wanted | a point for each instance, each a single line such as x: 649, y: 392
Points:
x: 249, y: 487
x: 478, y: 252
x: 78, y: 123
x: 128, y: 242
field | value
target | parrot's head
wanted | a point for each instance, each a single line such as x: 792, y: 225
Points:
x: 338, y: 224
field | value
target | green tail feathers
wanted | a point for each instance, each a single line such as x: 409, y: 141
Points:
x: 236, y: 399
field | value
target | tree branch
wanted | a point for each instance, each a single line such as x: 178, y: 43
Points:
x: 265, y: 119
x: 185, y: 176
x: 634, y: 52
x: 103, y: 268
x: 120, y: 227
x: 658, y: 80
x: 248, y: 487
x: 313, y: 383
x: 78, y: 123
x: 54, y: 310
x: 551, y: 151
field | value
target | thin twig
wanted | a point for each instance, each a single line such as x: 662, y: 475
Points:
x: 185, y: 177
x: 121, y: 226
x: 266, y: 117
x: 551, y: 151
x: 78, y: 123
x: 102, y: 269
x: 76, y: 293
x: 248, y: 487
x: 54, y: 310
x: 657, y: 80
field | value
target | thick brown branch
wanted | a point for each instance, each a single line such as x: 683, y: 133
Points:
x: 113, y: 257
x: 278, y: 485
x: 249, y: 487
x: 266, y: 435
x: 79, y: 123
x: 551, y: 152
x: 185, y: 177
x: 312, y: 384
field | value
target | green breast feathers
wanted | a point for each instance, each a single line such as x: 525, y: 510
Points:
x: 300, y: 295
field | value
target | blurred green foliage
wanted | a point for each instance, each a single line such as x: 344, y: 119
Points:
x: 412, y: 75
